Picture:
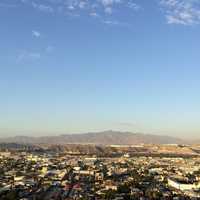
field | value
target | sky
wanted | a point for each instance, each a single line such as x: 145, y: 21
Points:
x: 74, y: 66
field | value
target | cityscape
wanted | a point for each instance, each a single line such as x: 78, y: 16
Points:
x: 99, y: 100
x: 92, y: 172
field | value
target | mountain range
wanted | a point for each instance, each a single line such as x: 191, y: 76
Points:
x: 103, y: 138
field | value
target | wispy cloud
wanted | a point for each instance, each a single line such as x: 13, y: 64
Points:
x: 49, y: 49
x: 38, y: 5
x: 115, y: 23
x: 105, y: 9
x: 36, y: 34
x: 43, y: 8
x: 185, y: 12
x: 28, y: 56
x: 108, y: 10
x: 133, y: 5
x: 94, y: 14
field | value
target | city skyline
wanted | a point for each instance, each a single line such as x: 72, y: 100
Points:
x: 71, y: 66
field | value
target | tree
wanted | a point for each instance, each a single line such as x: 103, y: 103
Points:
x: 124, y: 189
x: 110, y: 194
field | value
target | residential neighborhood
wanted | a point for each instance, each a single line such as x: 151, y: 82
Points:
x: 46, y: 176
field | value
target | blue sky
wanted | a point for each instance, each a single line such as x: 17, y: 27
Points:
x: 69, y: 66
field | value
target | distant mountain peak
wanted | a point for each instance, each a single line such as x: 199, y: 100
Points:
x: 107, y: 137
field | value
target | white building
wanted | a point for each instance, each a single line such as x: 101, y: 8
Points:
x: 182, y: 186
